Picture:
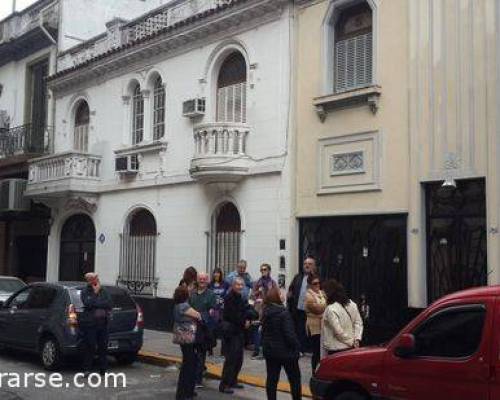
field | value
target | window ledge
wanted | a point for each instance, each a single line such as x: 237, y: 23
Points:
x: 143, y: 147
x: 367, y: 95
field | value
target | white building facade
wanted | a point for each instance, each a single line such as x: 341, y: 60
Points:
x: 171, y: 146
x: 28, y: 48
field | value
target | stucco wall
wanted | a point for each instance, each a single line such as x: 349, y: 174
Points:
x: 389, y: 124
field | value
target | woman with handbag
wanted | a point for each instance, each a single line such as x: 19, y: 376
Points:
x: 315, y: 305
x: 185, y: 322
x: 342, y: 326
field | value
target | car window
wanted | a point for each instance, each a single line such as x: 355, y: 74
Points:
x: 41, y: 297
x: 451, y: 333
x: 21, y: 298
x: 10, y: 285
x: 119, y: 298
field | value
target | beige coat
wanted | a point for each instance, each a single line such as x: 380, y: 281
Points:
x: 341, y: 326
x: 315, y: 305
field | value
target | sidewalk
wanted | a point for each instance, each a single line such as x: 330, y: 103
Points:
x: 159, y: 349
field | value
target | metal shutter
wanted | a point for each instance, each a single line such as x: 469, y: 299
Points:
x: 353, y: 62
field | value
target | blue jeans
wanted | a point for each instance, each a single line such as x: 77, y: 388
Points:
x: 256, y: 338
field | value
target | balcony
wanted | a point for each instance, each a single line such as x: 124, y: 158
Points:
x: 65, y: 173
x: 220, y: 152
x: 28, y: 140
x: 23, y: 33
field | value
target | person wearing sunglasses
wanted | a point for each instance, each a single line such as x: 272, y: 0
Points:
x: 259, y: 292
x: 315, y: 305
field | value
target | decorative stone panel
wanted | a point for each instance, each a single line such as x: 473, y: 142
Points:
x: 349, y: 163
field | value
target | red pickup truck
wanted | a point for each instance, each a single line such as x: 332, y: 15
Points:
x: 450, y: 351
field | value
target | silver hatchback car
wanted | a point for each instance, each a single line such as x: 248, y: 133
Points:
x: 8, y: 286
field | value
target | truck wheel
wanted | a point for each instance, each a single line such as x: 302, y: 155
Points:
x: 350, y: 395
x: 50, y: 355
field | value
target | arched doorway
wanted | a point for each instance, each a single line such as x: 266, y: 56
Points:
x: 77, y: 248
x: 225, y: 246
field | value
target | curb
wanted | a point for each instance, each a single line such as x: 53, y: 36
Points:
x: 215, y: 371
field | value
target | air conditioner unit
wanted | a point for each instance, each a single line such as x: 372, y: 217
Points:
x: 128, y: 164
x: 12, y: 195
x: 193, y: 108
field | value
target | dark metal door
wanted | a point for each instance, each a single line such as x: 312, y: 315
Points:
x: 32, y: 256
x: 367, y: 254
x: 456, y: 237
x: 77, y: 248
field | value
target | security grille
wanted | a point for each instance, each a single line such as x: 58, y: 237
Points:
x: 137, y: 263
x: 138, y: 254
x: 224, y: 247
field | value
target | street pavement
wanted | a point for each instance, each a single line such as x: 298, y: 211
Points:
x: 144, y: 382
x: 161, y: 342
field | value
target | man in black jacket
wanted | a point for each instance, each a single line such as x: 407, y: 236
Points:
x: 296, y: 300
x: 236, y: 320
x: 94, y: 322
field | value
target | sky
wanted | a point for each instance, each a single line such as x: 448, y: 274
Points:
x: 6, y: 6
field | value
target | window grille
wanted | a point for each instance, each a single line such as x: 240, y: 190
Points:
x: 138, y: 254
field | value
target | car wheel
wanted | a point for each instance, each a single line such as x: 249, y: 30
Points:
x: 50, y: 354
x: 126, y: 358
x: 350, y: 395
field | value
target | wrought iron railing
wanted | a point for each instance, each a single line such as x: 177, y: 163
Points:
x: 138, y: 263
x: 25, y: 139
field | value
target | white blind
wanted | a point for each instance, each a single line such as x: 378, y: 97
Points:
x: 232, y: 103
x: 353, y: 62
x: 81, y: 138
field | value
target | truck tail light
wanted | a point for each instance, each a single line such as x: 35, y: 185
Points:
x: 72, y: 317
x: 139, y: 324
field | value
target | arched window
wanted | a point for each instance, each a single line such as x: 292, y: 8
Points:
x: 138, y: 253
x: 232, y: 89
x: 225, y: 237
x: 142, y: 223
x: 353, y: 47
x: 158, y: 110
x: 81, y: 129
x: 137, y: 115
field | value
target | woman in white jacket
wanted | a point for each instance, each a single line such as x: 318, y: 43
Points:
x: 342, y: 326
